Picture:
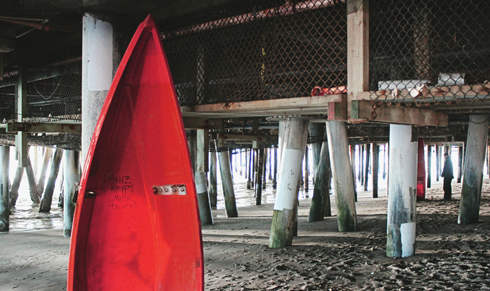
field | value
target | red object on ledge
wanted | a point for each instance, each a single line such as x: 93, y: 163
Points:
x: 320, y: 91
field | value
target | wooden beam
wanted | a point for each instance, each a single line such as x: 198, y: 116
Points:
x: 429, y: 94
x: 286, y: 106
x: 258, y: 138
x: 363, y: 111
x: 357, y: 47
x: 53, y: 127
x: 338, y: 110
x: 60, y: 140
x: 202, y: 123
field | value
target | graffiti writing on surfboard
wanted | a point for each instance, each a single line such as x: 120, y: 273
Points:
x: 122, y: 189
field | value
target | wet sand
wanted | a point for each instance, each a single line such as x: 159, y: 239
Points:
x: 448, y: 255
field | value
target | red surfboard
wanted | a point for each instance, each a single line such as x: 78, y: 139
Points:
x: 136, y: 224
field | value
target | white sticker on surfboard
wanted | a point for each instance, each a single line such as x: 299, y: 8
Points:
x: 290, y: 170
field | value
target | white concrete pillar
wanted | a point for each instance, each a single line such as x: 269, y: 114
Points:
x: 338, y: 148
x: 103, y: 44
x: 402, y: 183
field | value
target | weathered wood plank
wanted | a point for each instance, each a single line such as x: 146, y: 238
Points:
x: 70, y: 127
x: 357, y: 47
x: 258, y: 138
x: 265, y: 107
x: 338, y: 110
x: 429, y: 93
x: 363, y: 110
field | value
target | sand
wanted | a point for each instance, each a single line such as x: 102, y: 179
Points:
x: 448, y: 255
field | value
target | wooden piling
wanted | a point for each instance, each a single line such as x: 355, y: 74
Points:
x: 230, y: 150
x: 203, y: 199
x: 429, y: 166
x: 70, y: 187
x: 366, y: 166
x: 421, y: 173
x: 192, y: 140
x: 438, y: 162
x: 246, y: 164
x: 274, y: 179
x: 227, y: 183
x: 42, y: 175
x: 258, y: 185
x: 352, y: 163
x: 295, y: 135
x: 213, y: 180
x: 34, y: 159
x: 338, y: 148
x: 488, y: 161
x: 385, y: 161
x: 31, y: 179
x: 307, y: 172
x: 375, y: 169
x: 202, y: 150
x: 469, y: 210
x: 249, y: 179
x: 321, y: 195
x: 460, y: 163
x: 361, y: 163
x: 264, y: 169
x: 401, y: 223
x: 14, y: 189
x: 317, y: 132
x: 269, y: 158
x: 352, y: 149
x: 53, y: 174
x: 241, y: 161
x: 256, y: 166
x: 4, y: 189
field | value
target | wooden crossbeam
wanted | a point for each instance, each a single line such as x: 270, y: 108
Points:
x: 258, y: 138
x: 363, y: 111
x: 69, y: 127
x: 287, y: 106
x: 202, y: 123
x: 429, y: 94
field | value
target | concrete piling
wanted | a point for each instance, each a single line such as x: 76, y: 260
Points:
x: 476, y: 144
x: 70, y: 186
x: 338, y: 148
x: 53, y: 174
x: 401, y: 223
x: 227, y: 183
x: 295, y: 135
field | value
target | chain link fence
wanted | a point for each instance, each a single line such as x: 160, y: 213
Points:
x: 282, y: 51
x: 53, y: 92
x: 59, y: 97
x: 429, y: 52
